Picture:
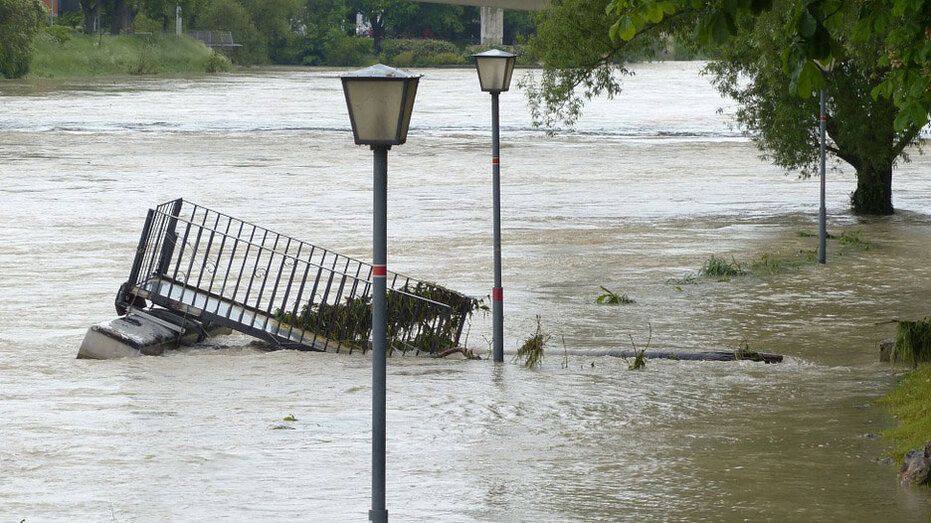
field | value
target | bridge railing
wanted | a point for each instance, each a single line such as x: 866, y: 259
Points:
x: 292, y: 293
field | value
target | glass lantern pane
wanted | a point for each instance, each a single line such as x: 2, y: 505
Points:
x: 508, y: 73
x: 408, y: 108
x: 491, y: 73
x: 376, y: 107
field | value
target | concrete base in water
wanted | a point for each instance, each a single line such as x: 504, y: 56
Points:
x: 138, y: 333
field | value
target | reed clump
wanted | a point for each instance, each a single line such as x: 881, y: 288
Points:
x: 720, y: 267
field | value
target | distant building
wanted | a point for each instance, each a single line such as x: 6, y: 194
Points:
x: 60, y: 7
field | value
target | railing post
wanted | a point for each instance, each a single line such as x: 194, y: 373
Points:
x: 123, y: 300
x: 140, y: 250
x: 171, y: 238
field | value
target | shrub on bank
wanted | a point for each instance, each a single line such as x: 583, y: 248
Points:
x: 124, y: 54
x: 349, y: 51
x: 409, y: 52
x: 19, y: 23
x: 417, y: 47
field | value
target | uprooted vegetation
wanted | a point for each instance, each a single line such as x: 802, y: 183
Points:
x: 612, y: 298
x: 640, y: 359
x: 413, y: 324
x: 531, y: 350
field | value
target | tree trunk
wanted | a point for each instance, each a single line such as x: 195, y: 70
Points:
x: 122, y: 18
x: 874, y: 190
x: 378, y: 32
x: 90, y: 10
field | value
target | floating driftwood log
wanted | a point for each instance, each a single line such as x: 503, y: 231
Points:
x: 721, y: 355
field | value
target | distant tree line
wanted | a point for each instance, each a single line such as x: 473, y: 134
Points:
x: 300, y: 31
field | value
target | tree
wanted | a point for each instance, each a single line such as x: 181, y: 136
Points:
x: 91, y: 10
x: 379, y: 13
x: 878, y: 104
x: 324, y: 25
x: 428, y: 21
x: 121, y: 13
x: 275, y: 20
x: 861, y: 128
x: 19, y: 23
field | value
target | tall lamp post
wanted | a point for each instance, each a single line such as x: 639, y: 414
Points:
x: 494, y: 74
x: 826, y: 67
x: 380, y: 101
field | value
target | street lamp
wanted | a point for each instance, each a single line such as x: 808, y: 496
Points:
x: 494, y: 75
x: 380, y: 101
x: 826, y: 67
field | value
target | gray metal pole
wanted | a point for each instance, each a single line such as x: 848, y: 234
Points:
x: 822, y: 215
x: 378, y: 513
x: 497, y: 293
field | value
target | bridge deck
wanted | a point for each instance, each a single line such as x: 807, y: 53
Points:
x: 222, y: 310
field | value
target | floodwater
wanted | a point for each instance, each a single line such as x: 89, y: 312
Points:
x: 648, y: 187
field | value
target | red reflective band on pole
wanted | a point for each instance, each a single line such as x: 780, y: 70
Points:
x: 379, y: 271
x: 823, y: 118
x: 497, y: 294
x: 496, y: 161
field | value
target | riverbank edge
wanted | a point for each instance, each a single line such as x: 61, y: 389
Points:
x: 79, y: 56
x: 909, y: 402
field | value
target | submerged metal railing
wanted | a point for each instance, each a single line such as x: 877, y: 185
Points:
x: 211, y: 266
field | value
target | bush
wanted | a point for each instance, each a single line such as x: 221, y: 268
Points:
x: 144, y: 24
x: 418, y: 47
x: 443, y: 59
x: 408, y: 52
x: 60, y: 33
x: 349, y: 51
x: 403, y: 59
x: 218, y: 63
x: 19, y: 23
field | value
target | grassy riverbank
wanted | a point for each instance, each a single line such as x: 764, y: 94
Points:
x: 910, y: 403
x: 66, y: 55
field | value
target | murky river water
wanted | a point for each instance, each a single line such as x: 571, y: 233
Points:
x: 650, y: 185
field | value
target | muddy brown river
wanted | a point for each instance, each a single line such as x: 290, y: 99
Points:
x: 644, y: 190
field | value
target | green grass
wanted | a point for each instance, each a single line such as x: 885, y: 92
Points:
x: 809, y: 234
x: 910, y: 403
x: 82, y: 56
x: 913, y: 342
x: 613, y: 298
x: 722, y: 269
x: 854, y: 240
x: 768, y: 264
x: 715, y: 267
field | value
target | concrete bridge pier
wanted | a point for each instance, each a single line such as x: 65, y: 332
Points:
x: 492, y: 25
